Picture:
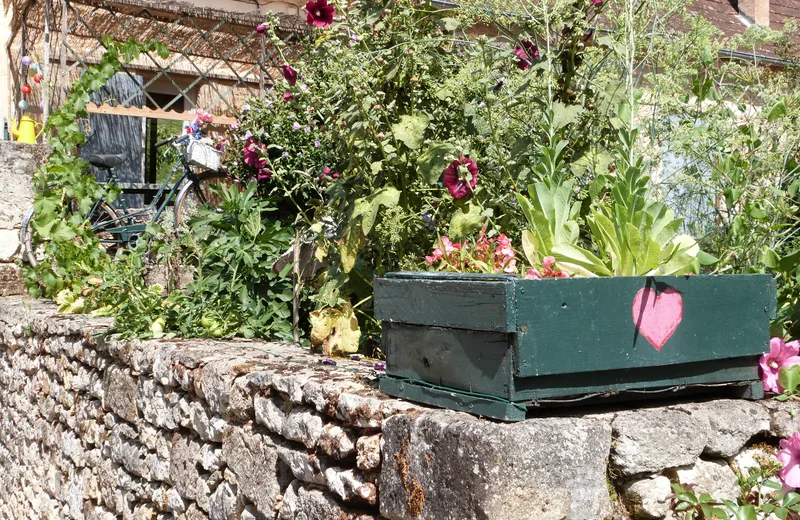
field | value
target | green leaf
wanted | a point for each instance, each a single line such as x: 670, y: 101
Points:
x: 62, y: 232
x: 585, y: 263
x: 565, y: 114
x: 465, y: 220
x: 789, y: 378
x: 777, y: 111
x: 450, y: 24
x: 411, y: 130
x: 367, y: 207
x: 769, y: 258
x: 434, y: 160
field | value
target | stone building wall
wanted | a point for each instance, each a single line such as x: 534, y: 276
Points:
x: 93, y: 428
x: 18, y: 162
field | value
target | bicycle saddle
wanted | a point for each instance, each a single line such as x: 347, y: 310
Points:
x: 107, y: 161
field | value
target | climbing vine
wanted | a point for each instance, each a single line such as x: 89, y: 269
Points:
x: 65, y: 190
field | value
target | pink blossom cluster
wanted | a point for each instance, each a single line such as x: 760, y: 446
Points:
x: 486, y: 255
x: 548, y: 270
x: 789, y: 456
x: 203, y: 117
x: 780, y: 355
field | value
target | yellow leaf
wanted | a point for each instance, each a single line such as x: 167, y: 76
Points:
x: 335, y: 330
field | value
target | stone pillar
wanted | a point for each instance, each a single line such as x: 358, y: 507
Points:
x: 18, y: 162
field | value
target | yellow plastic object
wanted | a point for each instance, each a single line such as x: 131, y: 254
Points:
x: 26, y: 132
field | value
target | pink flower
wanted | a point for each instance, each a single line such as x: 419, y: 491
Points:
x: 262, y: 28
x: 789, y: 456
x: 287, y: 96
x: 252, y: 156
x: 289, y: 74
x: 597, y: 2
x: 780, y: 355
x: 461, y: 177
x: 264, y: 174
x: 319, y: 13
x: 562, y: 274
x: 533, y: 274
x: 548, y: 262
x: 526, y: 54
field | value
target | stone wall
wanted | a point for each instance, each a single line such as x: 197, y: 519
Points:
x: 94, y: 428
x: 18, y: 162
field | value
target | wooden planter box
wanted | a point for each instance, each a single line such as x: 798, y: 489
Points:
x: 496, y: 345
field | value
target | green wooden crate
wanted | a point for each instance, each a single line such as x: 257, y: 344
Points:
x: 496, y: 345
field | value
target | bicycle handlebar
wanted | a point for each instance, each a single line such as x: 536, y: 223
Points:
x: 175, y: 139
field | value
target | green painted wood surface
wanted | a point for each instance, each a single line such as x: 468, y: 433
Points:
x: 453, y: 400
x: 477, y: 361
x: 587, y: 325
x: 475, y: 302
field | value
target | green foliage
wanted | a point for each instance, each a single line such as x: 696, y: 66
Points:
x: 66, y: 191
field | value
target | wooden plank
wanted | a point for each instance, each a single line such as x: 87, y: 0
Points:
x: 476, y: 361
x: 587, y: 325
x: 152, y: 113
x: 467, y: 302
x: 503, y: 411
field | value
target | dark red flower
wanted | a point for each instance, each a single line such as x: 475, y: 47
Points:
x: 252, y: 154
x: 261, y: 29
x: 461, y: 177
x: 289, y: 74
x: 287, y: 96
x: 319, y: 13
x: 264, y: 174
x: 526, y: 54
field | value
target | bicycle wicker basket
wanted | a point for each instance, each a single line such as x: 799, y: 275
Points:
x: 201, y: 154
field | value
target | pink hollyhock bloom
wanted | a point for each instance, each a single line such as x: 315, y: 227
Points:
x: 289, y: 74
x: 789, y: 456
x: 526, y: 54
x: 562, y: 274
x: 548, y: 262
x: 261, y: 29
x: 780, y: 355
x: 511, y: 266
x: 264, y: 174
x: 252, y: 154
x: 319, y: 13
x: 533, y: 274
x: 597, y: 2
x: 287, y: 96
x: 461, y: 177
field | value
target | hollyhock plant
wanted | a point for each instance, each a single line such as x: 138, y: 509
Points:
x: 319, y: 13
x: 460, y: 177
x: 526, y: 54
x: 548, y: 270
x: 261, y: 28
x: 780, y: 355
x: 789, y: 456
x: 289, y: 74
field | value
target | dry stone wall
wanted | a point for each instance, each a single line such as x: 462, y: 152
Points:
x: 95, y: 428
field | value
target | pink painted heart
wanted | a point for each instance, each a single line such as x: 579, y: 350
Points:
x: 657, y: 317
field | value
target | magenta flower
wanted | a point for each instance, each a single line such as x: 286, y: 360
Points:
x: 597, y: 2
x: 526, y: 54
x: 289, y: 74
x: 780, y: 355
x: 252, y: 156
x: 319, y: 13
x: 533, y: 274
x: 789, y: 456
x: 261, y: 29
x: 264, y: 174
x: 461, y: 177
x: 287, y: 96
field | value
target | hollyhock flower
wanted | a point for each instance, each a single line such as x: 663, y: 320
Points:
x: 461, y: 177
x: 289, y: 74
x: 326, y: 170
x: 597, y: 2
x: 252, y: 155
x: 780, y: 355
x: 234, y: 126
x: 264, y: 174
x: 526, y: 54
x: 789, y: 456
x: 548, y: 262
x: 317, y: 144
x: 287, y: 96
x: 319, y: 13
x: 335, y: 175
x: 533, y: 274
x: 261, y: 29
x: 296, y: 126
x: 204, y: 116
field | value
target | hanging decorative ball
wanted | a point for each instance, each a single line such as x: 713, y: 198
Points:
x: 26, y: 60
x: 26, y: 89
x: 23, y: 105
x: 37, y: 78
x: 36, y: 67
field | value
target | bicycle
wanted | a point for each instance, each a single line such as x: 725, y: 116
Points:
x: 116, y: 227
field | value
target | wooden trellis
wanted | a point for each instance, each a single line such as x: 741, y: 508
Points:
x: 216, y: 58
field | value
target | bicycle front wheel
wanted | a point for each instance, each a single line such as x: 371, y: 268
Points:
x: 197, y: 193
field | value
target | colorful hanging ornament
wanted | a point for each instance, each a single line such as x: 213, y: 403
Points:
x: 26, y: 89
x: 36, y: 67
x: 37, y: 78
x: 23, y: 105
x: 26, y: 60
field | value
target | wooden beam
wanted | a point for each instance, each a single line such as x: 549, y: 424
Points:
x: 152, y: 113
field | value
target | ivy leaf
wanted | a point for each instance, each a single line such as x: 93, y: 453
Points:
x: 62, y: 232
x: 434, y: 160
x: 411, y: 130
x: 565, y: 114
x: 465, y: 220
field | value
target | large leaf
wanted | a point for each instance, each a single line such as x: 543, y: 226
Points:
x: 572, y: 254
x: 466, y: 219
x: 434, y: 160
x: 367, y: 207
x: 565, y: 114
x: 411, y: 130
x: 335, y: 330
x: 350, y: 245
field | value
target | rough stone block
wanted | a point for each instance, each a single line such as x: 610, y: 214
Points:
x: 649, y: 441
x: 713, y: 477
x: 120, y: 394
x: 253, y: 458
x: 368, y: 452
x: 452, y: 466
x: 732, y: 423
x: 648, y: 499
